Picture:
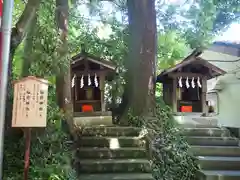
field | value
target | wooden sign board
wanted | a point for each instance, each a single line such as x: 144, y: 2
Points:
x: 30, y: 102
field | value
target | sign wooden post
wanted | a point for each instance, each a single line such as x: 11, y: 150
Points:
x: 29, y: 110
x: 27, y: 134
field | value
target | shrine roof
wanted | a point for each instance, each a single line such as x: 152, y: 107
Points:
x: 193, y: 64
x: 234, y: 44
x: 84, y: 55
x: 43, y: 81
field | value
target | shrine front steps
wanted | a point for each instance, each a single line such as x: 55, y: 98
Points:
x: 111, y: 153
x: 105, y: 153
x: 117, y: 176
x: 113, y: 131
x: 98, y: 118
x: 114, y: 166
x: 217, y: 152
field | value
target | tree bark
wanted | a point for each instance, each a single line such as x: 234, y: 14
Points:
x: 22, y: 26
x: 28, y: 49
x: 63, y: 79
x: 140, y: 87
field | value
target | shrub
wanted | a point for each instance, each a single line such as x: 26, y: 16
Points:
x: 171, y: 158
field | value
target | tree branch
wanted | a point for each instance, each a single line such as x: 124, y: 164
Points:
x: 20, y: 29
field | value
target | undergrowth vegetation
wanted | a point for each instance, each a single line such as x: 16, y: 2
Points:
x: 170, y: 154
x: 51, y: 153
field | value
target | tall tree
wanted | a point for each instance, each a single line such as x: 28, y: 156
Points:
x: 21, y: 28
x: 28, y: 49
x: 63, y: 79
x: 196, y: 22
x: 140, y: 88
x: 199, y: 21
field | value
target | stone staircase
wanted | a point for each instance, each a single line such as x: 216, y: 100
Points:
x: 111, y: 153
x: 218, y: 153
x: 119, y: 153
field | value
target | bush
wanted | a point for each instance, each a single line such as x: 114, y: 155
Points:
x: 172, y: 159
x: 51, y: 152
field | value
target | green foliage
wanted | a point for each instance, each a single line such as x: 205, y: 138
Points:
x: 202, y: 16
x: 113, y: 49
x: 136, y: 121
x: 18, y: 9
x: 51, y: 153
x: 198, y: 21
x: 172, y: 159
x: 45, y: 58
x: 169, y: 52
x: 51, y: 148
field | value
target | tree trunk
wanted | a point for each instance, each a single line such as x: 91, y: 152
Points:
x: 63, y: 79
x: 140, y: 87
x: 28, y: 49
x: 22, y: 26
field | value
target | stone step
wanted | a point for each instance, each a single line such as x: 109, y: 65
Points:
x: 123, y: 176
x: 227, y: 151
x: 111, y: 142
x: 111, y: 131
x: 191, y: 125
x: 217, y: 132
x: 113, y: 166
x: 104, y: 153
x: 212, y: 141
x: 93, y: 120
x: 219, y: 163
x: 220, y: 175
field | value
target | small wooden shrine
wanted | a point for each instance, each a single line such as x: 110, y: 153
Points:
x: 185, y: 84
x: 89, y: 74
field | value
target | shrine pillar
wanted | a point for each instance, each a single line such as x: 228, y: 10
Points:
x: 102, y: 88
x: 204, y: 96
x: 174, y: 95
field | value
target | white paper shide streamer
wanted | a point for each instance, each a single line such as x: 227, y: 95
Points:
x: 199, y: 83
x: 73, y: 80
x: 180, y: 82
x: 187, y: 83
x: 95, y: 80
x: 81, y: 82
x: 193, y: 83
x: 89, y: 80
